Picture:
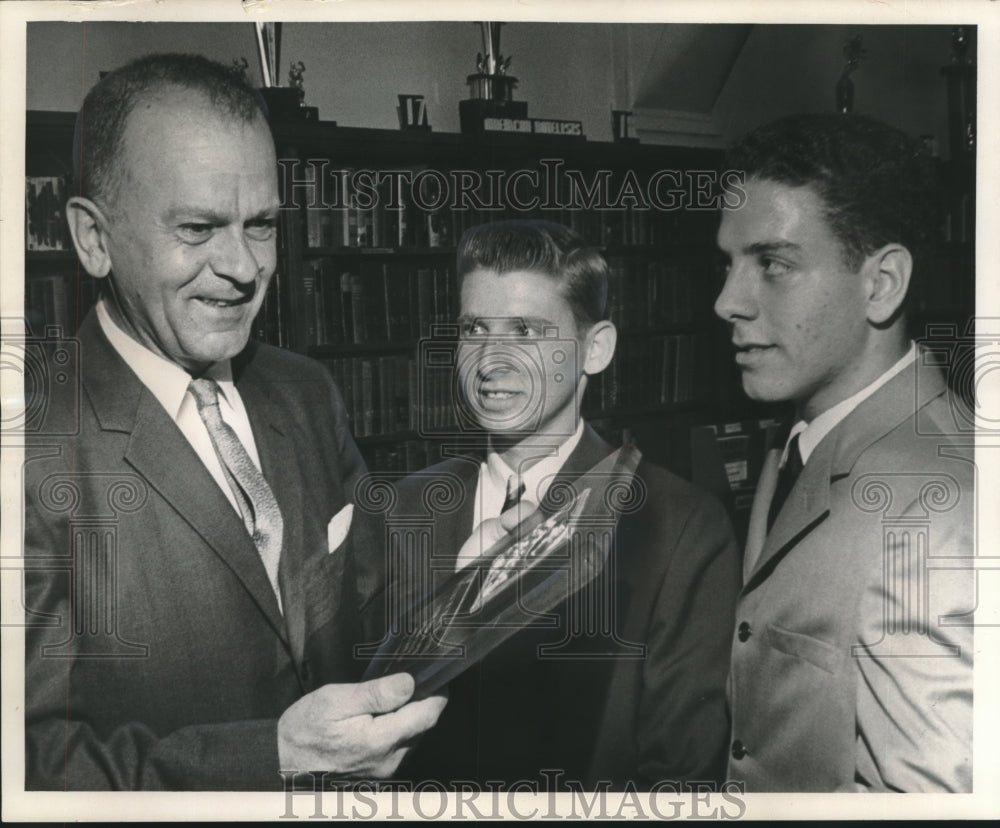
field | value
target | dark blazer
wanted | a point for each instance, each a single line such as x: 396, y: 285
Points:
x: 156, y: 656
x: 852, y: 658
x: 655, y: 712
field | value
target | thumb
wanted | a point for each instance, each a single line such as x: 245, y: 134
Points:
x: 517, y: 513
x: 381, y: 695
x: 482, y: 538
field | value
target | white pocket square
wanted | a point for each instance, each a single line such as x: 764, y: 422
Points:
x: 336, y: 529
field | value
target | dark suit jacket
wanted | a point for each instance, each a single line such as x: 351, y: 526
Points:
x: 657, y: 711
x: 156, y: 656
x: 852, y: 660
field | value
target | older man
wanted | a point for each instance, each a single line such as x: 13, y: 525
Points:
x: 190, y: 591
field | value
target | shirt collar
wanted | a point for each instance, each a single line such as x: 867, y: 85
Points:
x: 811, y: 433
x: 166, y: 381
x: 537, y: 477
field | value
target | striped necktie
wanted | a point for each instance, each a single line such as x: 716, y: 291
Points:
x: 260, y: 511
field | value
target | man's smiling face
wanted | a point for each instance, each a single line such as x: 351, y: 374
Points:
x: 191, y: 230
x: 520, y: 358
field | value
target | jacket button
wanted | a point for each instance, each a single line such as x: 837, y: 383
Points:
x: 744, y: 631
x: 739, y: 749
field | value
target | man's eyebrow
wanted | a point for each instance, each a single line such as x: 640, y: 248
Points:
x: 758, y: 248
x: 539, y: 321
x: 528, y: 320
x: 203, y: 215
x: 196, y: 215
x: 269, y: 212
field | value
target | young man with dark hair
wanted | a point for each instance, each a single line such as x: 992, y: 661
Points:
x: 852, y: 654
x: 640, y: 699
x: 190, y: 567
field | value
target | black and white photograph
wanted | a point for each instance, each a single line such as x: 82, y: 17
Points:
x: 498, y: 410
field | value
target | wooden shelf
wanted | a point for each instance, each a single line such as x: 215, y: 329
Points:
x: 353, y: 145
x: 58, y: 257
x: 377, y: 252
x: 356, y: 349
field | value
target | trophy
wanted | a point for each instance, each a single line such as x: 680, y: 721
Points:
x: 491, y: 88
x: 284, y: 103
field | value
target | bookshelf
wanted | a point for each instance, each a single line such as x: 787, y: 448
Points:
x: 360, y: 286
x: 375, y: 281
x: 57, y: 293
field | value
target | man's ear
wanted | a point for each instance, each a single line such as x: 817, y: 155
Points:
x: 887, y: 280
x: 600, y: 347
x: 87, y: 227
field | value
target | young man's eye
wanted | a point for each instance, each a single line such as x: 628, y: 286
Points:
x: 195, y: 232
x: 774, y: 267
x: 472, y: 329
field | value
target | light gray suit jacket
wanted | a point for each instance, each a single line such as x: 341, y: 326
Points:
x: 852, y: 654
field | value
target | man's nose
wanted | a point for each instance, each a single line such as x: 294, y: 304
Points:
x: 736, y: 299
x: 236, y: 258
x: 490, y: 356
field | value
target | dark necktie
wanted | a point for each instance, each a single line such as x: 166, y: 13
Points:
x: 787, y: 476
x: 515, y: 491
x: 260, y: 511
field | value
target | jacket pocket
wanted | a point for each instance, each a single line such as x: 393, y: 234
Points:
x: 818, y: 653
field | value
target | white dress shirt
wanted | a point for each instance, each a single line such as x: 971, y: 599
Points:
x: 169, y: 384
x: 494, y: 473
x: 810, y: 434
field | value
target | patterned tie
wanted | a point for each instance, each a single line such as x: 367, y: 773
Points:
x: 515, y: 491
x: 787, y: 476
x: 259, y: 509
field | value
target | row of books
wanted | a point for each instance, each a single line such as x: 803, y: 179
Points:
x: 651, y: 371
x: 407, y: 456
x: 374, y: 302
x: 340, y: 212
x: 636, y: 226
x: 57, y: 300
x: 272, y: 322
x: 391, y: 301
x: 393, y: 394
x: 388, y: 214
x: 45, y: 221
x: 651, y: 293
x: 390, y: 395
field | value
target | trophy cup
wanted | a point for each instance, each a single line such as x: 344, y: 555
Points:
x: 491, y: 89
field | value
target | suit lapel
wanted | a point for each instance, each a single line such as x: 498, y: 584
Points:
x: 900, y: 398
x: 158, y: 451
x: 807, y: 504
x: 832, y: 460
x: 757, y: 531
x: 590, y: 451
x: 454, y: 531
